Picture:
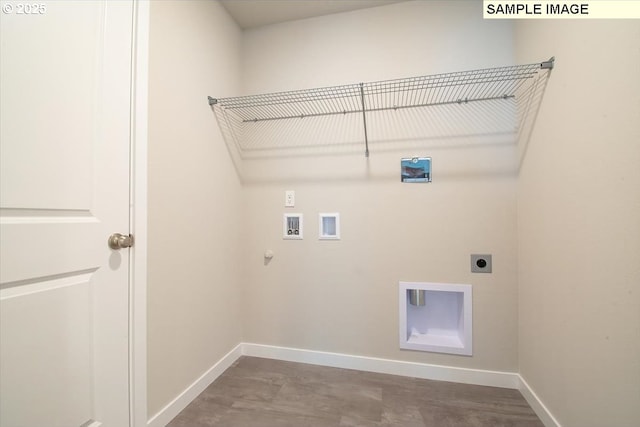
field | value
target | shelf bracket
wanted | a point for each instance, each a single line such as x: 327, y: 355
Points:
x: 364, y: 121
x: 548, y: 65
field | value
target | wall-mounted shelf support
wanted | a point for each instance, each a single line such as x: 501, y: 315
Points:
x: 364, y: 121
x: 489, y: 84
x: 548, y: 65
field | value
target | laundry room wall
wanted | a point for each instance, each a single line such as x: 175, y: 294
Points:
x: 342, y: 296
x: 579, y: 224
x: 194, y: 316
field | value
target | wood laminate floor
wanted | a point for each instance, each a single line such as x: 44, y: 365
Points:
x: 272, y: 393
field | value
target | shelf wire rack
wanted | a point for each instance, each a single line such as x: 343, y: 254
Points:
x: 489, y: 84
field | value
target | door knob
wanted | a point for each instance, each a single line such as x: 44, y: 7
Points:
x: 120, y: 241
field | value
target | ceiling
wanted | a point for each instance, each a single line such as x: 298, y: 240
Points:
x: 256, y: 13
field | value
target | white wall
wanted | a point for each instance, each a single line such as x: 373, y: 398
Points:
x: 194, y: 197
x: 342, y: 296
x: 579, y: 224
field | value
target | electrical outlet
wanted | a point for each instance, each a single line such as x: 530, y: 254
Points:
x: 289, y: 198
x: 480, y: 263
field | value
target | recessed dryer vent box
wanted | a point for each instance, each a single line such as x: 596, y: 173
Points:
x: 436, y: 317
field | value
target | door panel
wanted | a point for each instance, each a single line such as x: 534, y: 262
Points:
x: 49, y: 381
x: 49, y: 99
x: 65, y: 80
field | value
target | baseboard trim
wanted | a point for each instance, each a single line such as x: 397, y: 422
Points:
x: 169, y: 412
x: 536, y: 404
x: 361, y: 363
x: 385, y: 366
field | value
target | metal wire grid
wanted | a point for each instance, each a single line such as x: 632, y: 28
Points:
x: 295, y: 104
x: 450, y: 88
x: 440, y: 89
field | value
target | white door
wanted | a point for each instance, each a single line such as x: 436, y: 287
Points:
x: 65, y: 93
